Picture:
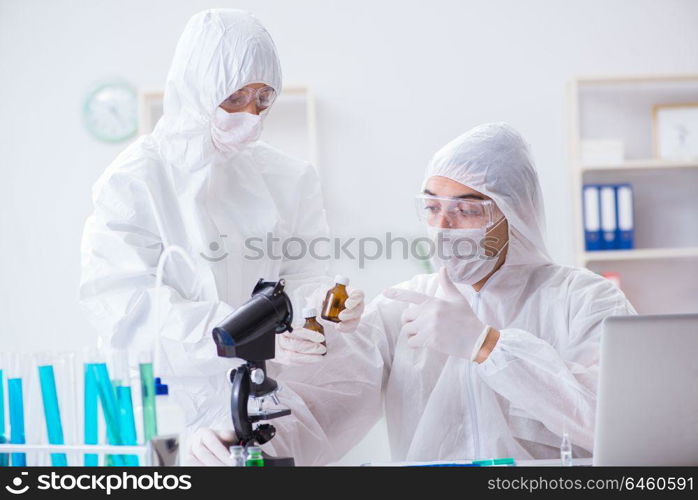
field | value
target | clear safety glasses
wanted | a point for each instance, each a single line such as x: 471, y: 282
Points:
x: 456, y: 212
x: 240, y: 99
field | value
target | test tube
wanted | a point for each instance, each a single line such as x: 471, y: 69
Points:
x: 16, y: 399
x: 4, y: 457
x: 566, y: 450
x: 54, y: 426
x: 70, y: 395
x: 99, y: 388
x: 150, y: 423
x: 91, y: 433
x: 127, y: 422
x: 110, y: 408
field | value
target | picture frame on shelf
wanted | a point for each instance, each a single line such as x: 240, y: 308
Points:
x: 675, y: 131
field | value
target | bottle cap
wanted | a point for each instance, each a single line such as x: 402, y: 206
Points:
x: 341, y: 280
x: 160, y: 388
x: 309, y: 312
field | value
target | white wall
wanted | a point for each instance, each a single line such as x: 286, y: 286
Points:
x: 394, y: 81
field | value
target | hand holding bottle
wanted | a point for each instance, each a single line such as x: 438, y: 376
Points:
x: 342, y: 307
x: 350, y: 317
x: 302, y: 345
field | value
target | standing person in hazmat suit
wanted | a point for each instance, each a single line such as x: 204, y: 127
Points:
x: 496, y: 355
x: 202, y: 182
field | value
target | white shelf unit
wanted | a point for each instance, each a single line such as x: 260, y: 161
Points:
x: 648, y: 164
x: 640, y: 254
x: 660, y: 275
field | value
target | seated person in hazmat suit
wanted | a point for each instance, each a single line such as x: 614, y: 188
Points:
x: 495, y: 355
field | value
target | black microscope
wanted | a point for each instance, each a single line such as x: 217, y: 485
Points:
x: 249, y: 333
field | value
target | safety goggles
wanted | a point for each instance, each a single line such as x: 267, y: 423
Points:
x: 240, y: 99
x: 443, y: 212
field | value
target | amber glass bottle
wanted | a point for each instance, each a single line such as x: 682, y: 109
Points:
x: 334, y: 300
x: 309, y: 313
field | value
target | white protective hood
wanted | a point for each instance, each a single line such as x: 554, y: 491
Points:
x: 219, y: 52
x: 494, y: 159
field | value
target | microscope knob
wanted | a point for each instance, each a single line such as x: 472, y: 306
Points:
x: 257, y: 376
x: 264, y: 433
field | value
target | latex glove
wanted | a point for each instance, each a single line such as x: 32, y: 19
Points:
x: 447, y: 325
x: 210, y: 448
x: 299, y: 347
x: 353, y: 309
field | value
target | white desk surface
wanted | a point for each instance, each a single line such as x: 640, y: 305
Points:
x: 551, y: 462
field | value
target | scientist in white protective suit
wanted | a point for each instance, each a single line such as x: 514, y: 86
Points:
x: 203, y: 181
x: 495, y: 355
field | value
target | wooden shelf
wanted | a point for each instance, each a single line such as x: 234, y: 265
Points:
x: 295, y: 90
x: 640, y: 254
x: 636, y: 79
x: 644, y: 164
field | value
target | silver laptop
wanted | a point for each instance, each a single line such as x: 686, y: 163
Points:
x: 647, y: 411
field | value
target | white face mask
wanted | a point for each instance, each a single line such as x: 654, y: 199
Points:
x: 231, y: 132
x: 462, y: 252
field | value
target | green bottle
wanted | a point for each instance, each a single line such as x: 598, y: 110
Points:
x: 254, y: 457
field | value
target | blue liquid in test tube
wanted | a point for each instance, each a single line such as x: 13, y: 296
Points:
x: 4, y: 457
x: 14, y: 389
x: 127, y: 421
x: 110, y: 407
x: 54, y: 427
x: 91, y: 415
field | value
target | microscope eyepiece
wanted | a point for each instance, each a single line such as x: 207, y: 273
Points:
x: 248, y: 332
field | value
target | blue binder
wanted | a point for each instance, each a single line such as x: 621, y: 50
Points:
x: 609, y: 225
x: 625, y: 232
x: 591, y: 217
